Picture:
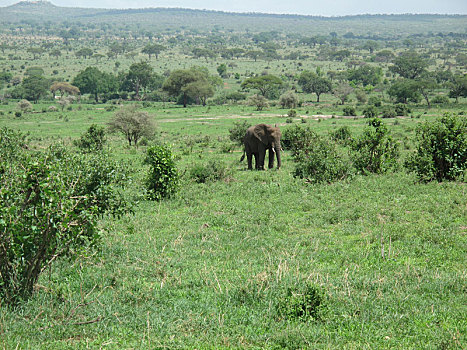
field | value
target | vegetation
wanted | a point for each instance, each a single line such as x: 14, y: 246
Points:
x: 354, y: 251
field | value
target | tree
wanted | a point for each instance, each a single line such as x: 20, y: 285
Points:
x: 153, y: 49
x: 55, y: 53
x: 266, y: 84
x: 259, y: 101
x: 138, y: 77
x: 404, y: 90
x: 426, y: 84
x: 36, y: 52
x: 84, y: 52
x: 178, y: 83
x: 34, y: 87
x: 342, y: 92
x: 64, y: 88
x: 365, y: 75
x: 313, y: 83
x: 409, y: 65
x: 133, y: 123
x: 93, y: 81
x: 288, y: 100
x: 222, y: 70
x: 199, y: 90
x: 458, y: 87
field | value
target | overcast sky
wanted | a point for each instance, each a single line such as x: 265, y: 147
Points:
x: 304, y: 7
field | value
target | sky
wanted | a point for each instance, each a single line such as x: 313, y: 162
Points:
x: 302, y: 7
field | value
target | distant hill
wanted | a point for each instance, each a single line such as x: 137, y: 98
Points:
x: 173, y: 18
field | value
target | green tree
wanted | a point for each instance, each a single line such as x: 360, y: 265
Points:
x: 34, y: 87
x: 409, y: 65
x: 187, y: 82
x: 84, y: 52
x: 199, y: 90
x: 365, y: 75
x: 404, y: 90
x: 92, y: 81
x: 458, y: 87
x: 266, y: 84
x: 313, y: 83
x: 426, y: 84
x: 153, y: 49
x: 139, y: 77
x: 132, y: 123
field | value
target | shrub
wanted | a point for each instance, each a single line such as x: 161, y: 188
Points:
x: 370, y: 111
x: 322, y: 161
x: 292, y: 113
x: 441, y: 151
x: 288, y: 100
x: 349, y: 111
x: 212, y: 171
x: 401, y: 109
x: 375, y: 101
x: 259, y: 101
x: 238, y: 131
x: 302, y: 303
x: 18, y: 114
x: 440, y: 99
x: 25, y: 106
x: 92, y: 140
x: 342, y: 135
x: 388, y: 112
x: 297, y: 137
x: 375, y: 151
x: 162, y: 179
x: 49, y: 205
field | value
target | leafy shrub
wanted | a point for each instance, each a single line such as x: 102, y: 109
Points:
x: 375, y: 151
x: 18, y: 114
x: 212, y: 171
x: 162, y: 179
x: 238, y: 131
x: 375, y: 101
x: 92, y: 140
x: 342, y: 135
x: 349, y: 111
x: 322, y: 161
x: 401, y: 109
x: 235, y: 96
x: 292, y: 113
x: 388, y: 112
x: 302, y: 303
x: 440, y: 99
x: 259, y: 101
x: 297, y: 137
x: 25, y: 106
x: 289, y: 120
x: 288, y: 100
x: 49, y: 205
x: 370, y: 111
x: 441, y: 151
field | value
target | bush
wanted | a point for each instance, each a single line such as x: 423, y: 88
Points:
x: 370, y: 111
x: 401, y: 109
x: 288, y: 100
x: 441, y: 151
x: 162, y: 179
x: 292, y: 113
x: 297, y: 137
x: 375, y: 151
x: 388, y: 112
x: 342, y: 135
x: 349, y: 111
x: 25, y: 106
x: 440, y: 99
x: 375, y: 101
x: 49, y: 205
x: 322, y: 161
x: 238, y: 131
x: 259, y: 101
x: 302, y: 303
x: 92, y: 140
x: 212, y: 171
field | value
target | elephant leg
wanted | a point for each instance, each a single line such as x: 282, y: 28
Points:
x: 261, y: 156
x: 271, y: 159
x: 256, y: 160
x: 249, y: 158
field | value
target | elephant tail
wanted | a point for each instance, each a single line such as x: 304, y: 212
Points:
x: 243, y: 156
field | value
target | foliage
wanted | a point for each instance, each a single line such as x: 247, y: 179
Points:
x: 238, y: 131
x: 288, y: 100
x: 440, y: 99
x: 342, y: 92
x: 349, y: 111
x: 132, y: 123
x: 321, y: 161
x: 370, y: 111
x: 139, y: 77
x: 342, y: 135
x: 259, y: 101
x: 212, y: 171
x: 49, y: 206
x: 92, y: 81
x: 441, y: 150
x: 458, y: 87
x: 266, y: 84
x: 303, y: 303
x: 404, y: 90
x: 365, y: 75
x: 34, y: 87
x: 25, y: 106
x: 162, y: 179
x: 313, y: 83
x: 92, y: 140
x: 297, y: 138
x: 375, y: 151
x: 409, y: 65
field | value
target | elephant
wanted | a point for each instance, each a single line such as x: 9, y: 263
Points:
x: 257, y: 140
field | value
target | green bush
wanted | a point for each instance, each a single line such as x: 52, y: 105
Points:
x: 401, y: 109
x: 370, y: 111
x: 322, y: 161
x: 388, y: 112
x: 441, y: 151
x: 92, y: 140
x: 49, y: 205
x: 349, y: 111
x: 297, y: 137
x: 440, y: 99
x: 375, y: 151
x: 162, y: 179
x: 212, y: 171
x: 238, y: 131
x: 375, y: 101
x: 342, y: 135
x: 304, y: 302
x: 292, y: 113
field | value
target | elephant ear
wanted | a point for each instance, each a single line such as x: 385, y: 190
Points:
x: 260, y: 132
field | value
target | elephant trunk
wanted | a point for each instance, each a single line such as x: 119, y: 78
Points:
x: 277, y: 150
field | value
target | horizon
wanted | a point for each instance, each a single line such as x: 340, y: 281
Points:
x: 272, y: 7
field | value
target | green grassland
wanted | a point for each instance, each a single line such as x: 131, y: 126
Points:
x: 211, y: 266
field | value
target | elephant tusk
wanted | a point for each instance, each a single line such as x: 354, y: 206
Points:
x: 273, y: 150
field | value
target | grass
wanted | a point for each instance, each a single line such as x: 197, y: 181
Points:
x: 209, y: 268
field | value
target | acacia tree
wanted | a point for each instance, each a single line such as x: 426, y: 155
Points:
x: 64, y: 87
x: 153, y: 49
x: 313, y: 83
x: 265, y: 84
x: 133, y: 123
